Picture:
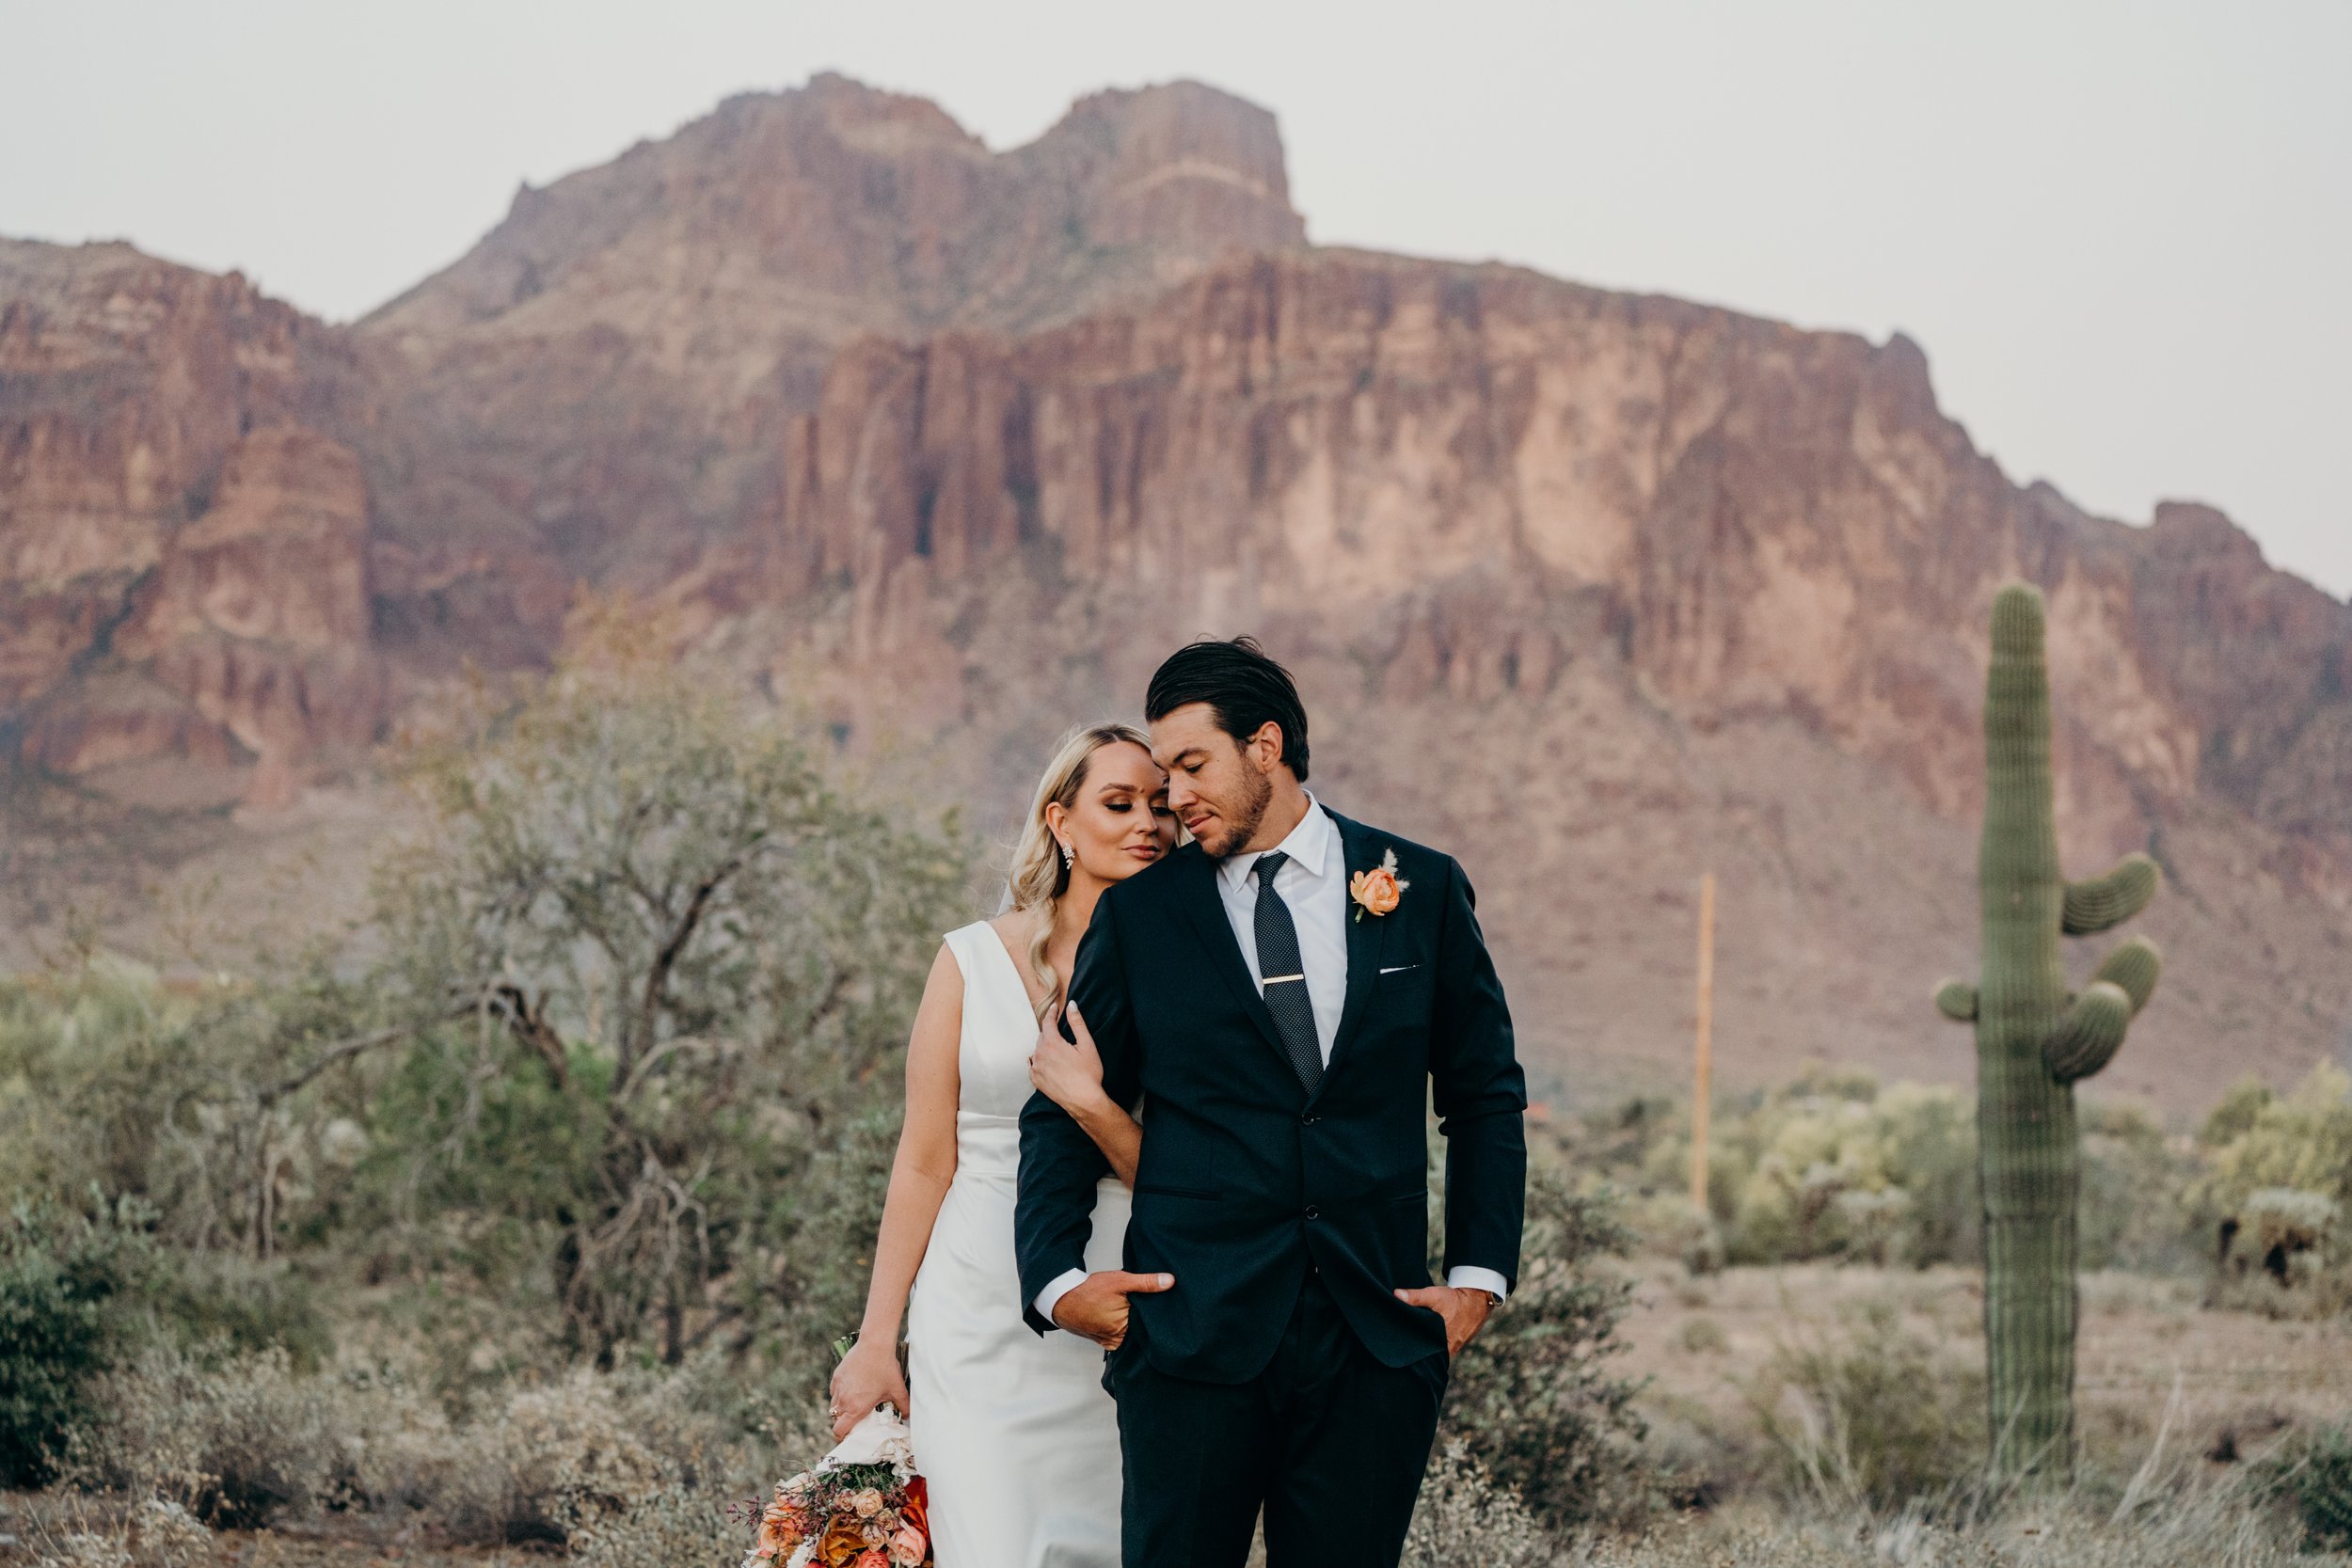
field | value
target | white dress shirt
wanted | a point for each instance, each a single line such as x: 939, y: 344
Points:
x: 1313, y: 882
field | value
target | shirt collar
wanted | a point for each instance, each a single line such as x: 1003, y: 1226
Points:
x: 1309, y: 846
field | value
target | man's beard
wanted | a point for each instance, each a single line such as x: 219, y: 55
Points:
x: 1241, y: 827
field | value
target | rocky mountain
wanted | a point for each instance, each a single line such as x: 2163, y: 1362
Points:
x: 184, y: 605
x: 600, y: 386
x: 948, y: 446
x: 1605, y: 589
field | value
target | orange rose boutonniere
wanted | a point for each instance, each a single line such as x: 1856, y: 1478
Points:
x: 1379, y: 889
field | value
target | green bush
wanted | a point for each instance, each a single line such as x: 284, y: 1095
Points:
x: 2320, y: 1482
x: 63, y: 1276
x: 608, y: 1066
x: 2275, y: 1186
x: 2134, y: 1180
x: 1531, y: 1399
x: 1836, y: 1165
x: 1829, y: 1165
x: 230, y: 1303
x: 2300, y: 1140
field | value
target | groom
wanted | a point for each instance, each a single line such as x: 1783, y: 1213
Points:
x: 1280, y: 995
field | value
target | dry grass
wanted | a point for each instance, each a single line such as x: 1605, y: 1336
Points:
x: 598, y: 1463
x: 2204, y: 1530
x: 2242, y: 1378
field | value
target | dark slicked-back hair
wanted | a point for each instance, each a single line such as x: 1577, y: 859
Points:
x: 1242, y: 686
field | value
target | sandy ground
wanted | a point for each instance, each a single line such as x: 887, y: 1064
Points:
x: 2240, y: 1377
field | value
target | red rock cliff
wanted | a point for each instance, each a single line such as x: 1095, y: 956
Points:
x: 181, y: 555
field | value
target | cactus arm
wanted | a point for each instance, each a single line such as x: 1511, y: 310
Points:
x: 2132, y: 969
x: 2089, y: 1032
x: 1957, y: 1001
x: 2107, y: 901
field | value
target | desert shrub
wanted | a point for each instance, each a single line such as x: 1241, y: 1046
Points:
x: 190, y: 1098
x: 82, y: 1290
x: 2277, y: 1182
x: 1834, y: 1165
x: 227, y: 1302
x: 236, y: 1442
x: 64, y: 1279
x: 103, y: 1533
x: 2316, y: 1475
x: 2280, y: 1255
x: 1704, y: 1335
x: 2195, y: 1525
x: 607, y: 1067
x: 2300, y: 1140
x: 2134, y: 1178
x: 243, y: 1441
x: 1879, y: 1421
x: 590, y: 1457
x: 1532, y: 1399
x: 1463, y: 1520
x: 672, y: 1525
x: 549, y: 1458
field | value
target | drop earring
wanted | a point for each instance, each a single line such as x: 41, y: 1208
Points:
x: 1069, y: 857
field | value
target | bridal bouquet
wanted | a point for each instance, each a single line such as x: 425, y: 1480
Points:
x: 862, y: 1507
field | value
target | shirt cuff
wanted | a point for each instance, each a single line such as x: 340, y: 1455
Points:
x: 1051, y: 1296
x: 1462, y: 1277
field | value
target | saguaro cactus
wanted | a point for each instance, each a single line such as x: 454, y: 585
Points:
x: 2035, y: 1038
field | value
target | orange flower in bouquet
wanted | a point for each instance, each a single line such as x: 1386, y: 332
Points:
x: 862, y: 1506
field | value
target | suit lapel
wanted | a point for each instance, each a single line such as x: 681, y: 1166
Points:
x: 1361, y: 849
x: 1205, y: 907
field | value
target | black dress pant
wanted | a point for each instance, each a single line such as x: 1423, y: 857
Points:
x: 1331, y: 1441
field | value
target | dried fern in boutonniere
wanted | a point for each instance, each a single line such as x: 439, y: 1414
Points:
x: 1379, y: 889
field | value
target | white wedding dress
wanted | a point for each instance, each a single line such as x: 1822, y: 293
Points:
x: 1013, y: 1432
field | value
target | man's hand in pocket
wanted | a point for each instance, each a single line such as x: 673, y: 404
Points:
x: 1096, y: 1306
x: 1463, y: 1312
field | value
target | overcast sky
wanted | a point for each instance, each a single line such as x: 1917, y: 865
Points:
x: 2122, y: 231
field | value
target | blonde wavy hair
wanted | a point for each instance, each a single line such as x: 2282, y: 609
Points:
x: 1040, y: 877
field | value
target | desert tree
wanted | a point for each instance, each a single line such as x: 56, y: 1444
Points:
x: 654, y: 962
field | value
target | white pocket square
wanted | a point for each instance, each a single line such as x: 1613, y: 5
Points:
x: 1399, y: 969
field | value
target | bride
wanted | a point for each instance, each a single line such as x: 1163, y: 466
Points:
x: 1013, y: 1432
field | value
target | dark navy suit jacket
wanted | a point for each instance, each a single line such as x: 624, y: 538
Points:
x: 1244, y: 1177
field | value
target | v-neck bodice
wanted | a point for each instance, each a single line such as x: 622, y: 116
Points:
x: 992, y: 1056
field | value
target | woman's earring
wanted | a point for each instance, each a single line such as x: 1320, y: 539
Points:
x: 1069, y: 856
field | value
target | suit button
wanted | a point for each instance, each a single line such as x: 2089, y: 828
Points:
x: 1314, y: 1212
x: 1309, y: 1120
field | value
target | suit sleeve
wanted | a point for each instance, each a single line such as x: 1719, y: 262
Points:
x: 1059, y: 1164
x: 1480, y: 1094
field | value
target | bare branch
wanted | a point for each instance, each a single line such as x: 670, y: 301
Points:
x: 342, y: 1052
x: 527, y: 1023
x: 640, y: 1038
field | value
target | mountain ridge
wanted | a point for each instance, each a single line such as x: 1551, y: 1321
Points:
x: 1585, y: 582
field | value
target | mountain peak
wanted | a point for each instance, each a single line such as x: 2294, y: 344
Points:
x: 1188, y: 167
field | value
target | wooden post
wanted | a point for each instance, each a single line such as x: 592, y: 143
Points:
x: 1702, y: 1084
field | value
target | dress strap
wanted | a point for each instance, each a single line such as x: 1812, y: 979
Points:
x: 989, y: 969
